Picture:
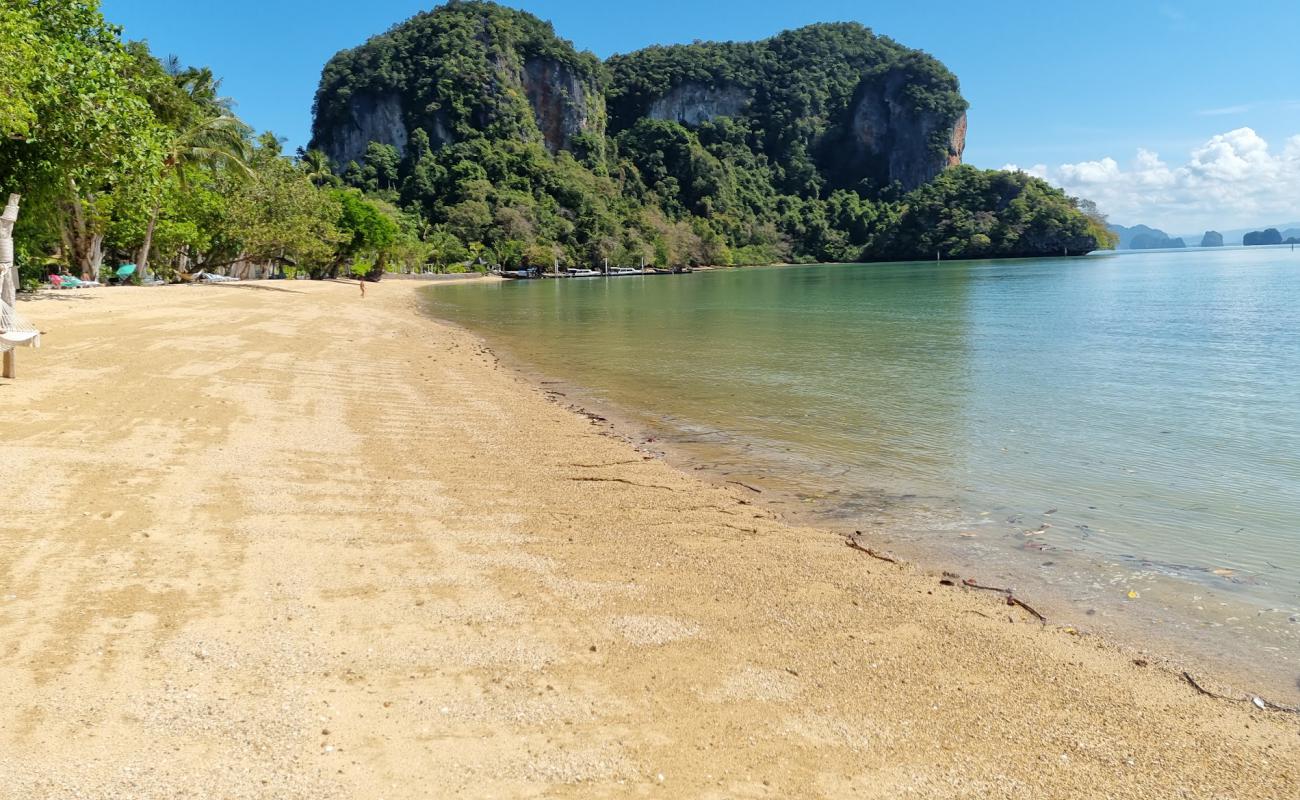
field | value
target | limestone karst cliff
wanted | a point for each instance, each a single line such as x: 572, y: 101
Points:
x: 462, y: 71
x: 832, y: 104
x: 693, y: 103
x: 826, y: 143
x: 855, y: 106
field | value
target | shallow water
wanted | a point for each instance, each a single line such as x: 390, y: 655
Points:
x: 1099, y: 426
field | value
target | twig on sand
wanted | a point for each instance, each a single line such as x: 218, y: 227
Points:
x: 972, y: 584
x: 1256, y: 701
x: 1012, y: 600
x: 622, y: 480
x: 1207, y: 692
x: 856, y: 545
x: 747, y: 486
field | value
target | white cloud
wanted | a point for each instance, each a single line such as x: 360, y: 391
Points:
x: 1234, y: 180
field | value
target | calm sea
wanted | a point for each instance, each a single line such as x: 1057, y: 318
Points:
x: 1119, y: 434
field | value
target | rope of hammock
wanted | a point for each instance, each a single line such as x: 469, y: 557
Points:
x: 15, y: 330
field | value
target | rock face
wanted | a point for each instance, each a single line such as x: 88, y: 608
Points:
x: 695, y: 103
x: 1265, y: 237
x: 1212, y: 239
x: 466, y: 70
x: 832, y: 106
x: 896, y: 143
x: 563, y: 102
x: 883, y: 139
x: 371, y: 118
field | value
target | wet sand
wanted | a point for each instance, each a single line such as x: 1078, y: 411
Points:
x: 272, y: 540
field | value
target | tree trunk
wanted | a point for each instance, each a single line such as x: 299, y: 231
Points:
x: 142, y: 265
x: 85, y: 246
x: 95, y: 257
x: 377, y: 271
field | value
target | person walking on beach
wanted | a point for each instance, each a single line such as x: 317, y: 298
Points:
x: 361, y: 281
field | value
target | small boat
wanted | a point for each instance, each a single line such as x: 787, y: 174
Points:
x: 519, y: 274
x: 583, y: 273
x: 617, y: 272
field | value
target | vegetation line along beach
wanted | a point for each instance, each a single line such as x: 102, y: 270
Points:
x: 473, y: 137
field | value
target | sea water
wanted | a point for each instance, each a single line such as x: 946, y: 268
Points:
x: 1118, y: 434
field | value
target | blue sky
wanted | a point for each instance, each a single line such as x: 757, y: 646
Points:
x: 1056, y: 88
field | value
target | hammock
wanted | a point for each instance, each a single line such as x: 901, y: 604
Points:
x: 16, y: 331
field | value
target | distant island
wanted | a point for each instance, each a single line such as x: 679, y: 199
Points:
x: 826, y: 143
x: 1264, y: 237
x: 1142, y: 237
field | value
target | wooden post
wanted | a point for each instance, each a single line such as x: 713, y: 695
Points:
x: 10, y: 366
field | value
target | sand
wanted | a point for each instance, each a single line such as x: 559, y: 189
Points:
x: 274, y: 541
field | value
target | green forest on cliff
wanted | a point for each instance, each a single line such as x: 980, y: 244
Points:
x: 508, y: 147
x: 492, y: 161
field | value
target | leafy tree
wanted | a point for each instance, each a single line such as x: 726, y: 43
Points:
x: 280, y: 216
x: 75, y: 130
x: 213, y: 142
x: 364, y: 229
x: 317, y: 167
x: 446, y: 250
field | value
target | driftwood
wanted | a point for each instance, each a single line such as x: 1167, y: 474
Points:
x: 861, y: 548
x: 970, y: 582
x: 623, y: 480
x: 747, y: 486
x: 1207, y: 692
x: 1012, y: 600
x: 1253, y: 700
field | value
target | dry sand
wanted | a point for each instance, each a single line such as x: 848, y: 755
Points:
x: 274, y: 541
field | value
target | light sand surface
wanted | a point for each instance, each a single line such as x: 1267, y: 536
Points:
x: 275, y: 541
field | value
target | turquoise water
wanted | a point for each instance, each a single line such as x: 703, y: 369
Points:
x: 1097, y: 426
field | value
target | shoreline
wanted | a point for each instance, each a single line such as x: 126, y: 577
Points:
x: 1181, y: 649
x: 314, y: 546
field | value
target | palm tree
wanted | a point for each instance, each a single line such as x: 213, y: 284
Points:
x: 213, y: 141
x: 317, y: 167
